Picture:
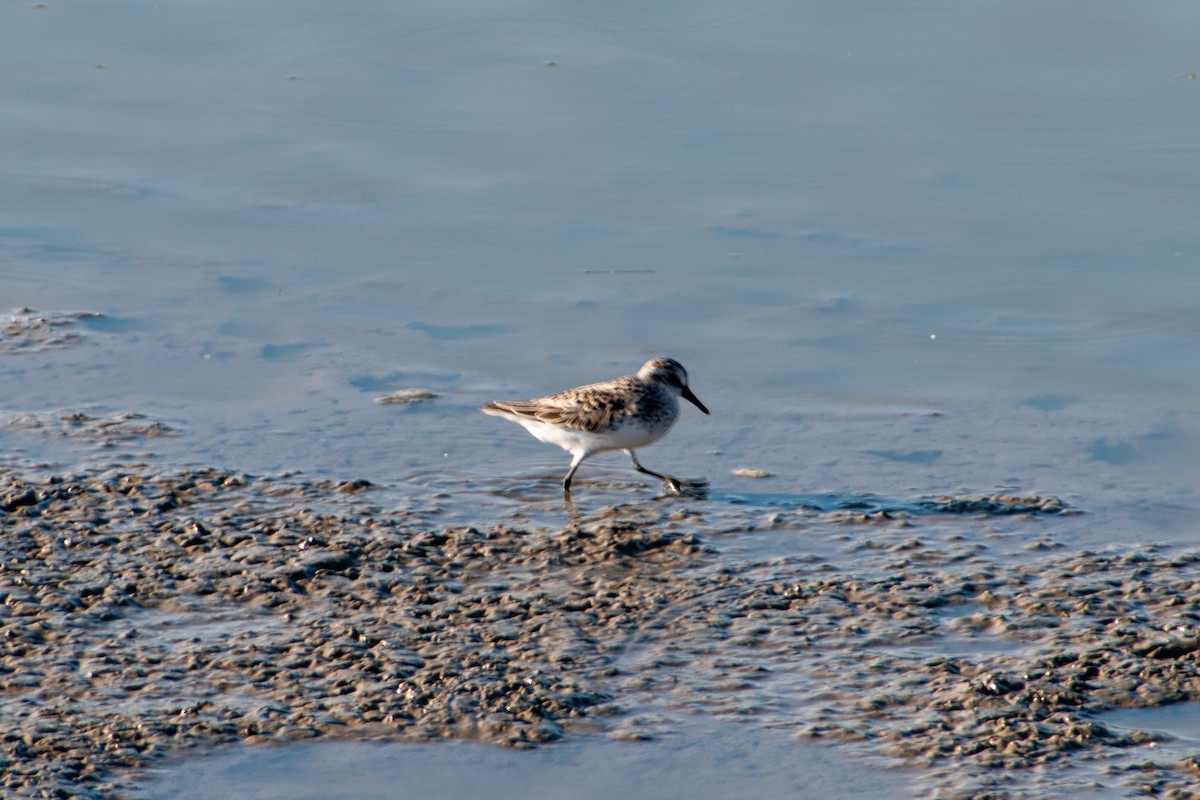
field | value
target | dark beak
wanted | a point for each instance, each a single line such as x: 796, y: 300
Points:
x: 687, y: 395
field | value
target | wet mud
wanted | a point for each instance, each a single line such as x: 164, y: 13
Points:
x: 106, y: 431
x: 148, y: 613
x: 25, y: 330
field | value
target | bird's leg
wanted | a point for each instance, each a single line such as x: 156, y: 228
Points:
x: 674, y: 484
x: 576, y: 460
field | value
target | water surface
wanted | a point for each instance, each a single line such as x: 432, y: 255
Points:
x: 903, y: 251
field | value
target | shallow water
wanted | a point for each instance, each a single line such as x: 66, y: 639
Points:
x: 903, y: 252
x: 756, y: 763
x: 1179, y: 721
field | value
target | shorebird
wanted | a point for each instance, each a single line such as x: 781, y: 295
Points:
x: 621, y: 414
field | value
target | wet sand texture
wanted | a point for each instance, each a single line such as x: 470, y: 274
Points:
x: 147, y: 613
x: 25, y: 330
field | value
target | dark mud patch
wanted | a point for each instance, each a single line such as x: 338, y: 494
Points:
x: 866, y: 506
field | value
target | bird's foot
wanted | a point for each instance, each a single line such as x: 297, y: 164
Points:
x: 677, y: 486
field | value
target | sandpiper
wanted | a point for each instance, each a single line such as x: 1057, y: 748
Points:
x: 620, y: 414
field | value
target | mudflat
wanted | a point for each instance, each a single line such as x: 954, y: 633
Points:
x: 150, y: 613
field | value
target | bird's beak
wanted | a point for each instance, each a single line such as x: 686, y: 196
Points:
x: 687, y: 395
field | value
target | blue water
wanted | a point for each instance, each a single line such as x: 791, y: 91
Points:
x: 903, y: 249
x: 962, y: 232
x: 760, y: 764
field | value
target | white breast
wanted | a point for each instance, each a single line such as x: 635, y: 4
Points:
x: 629, y: 435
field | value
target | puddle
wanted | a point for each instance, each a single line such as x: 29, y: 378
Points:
x: 180, y: 627
x: 704, y: 763
x: 963, y: 630
x: 1181, y: 721
x: 1161, y: 761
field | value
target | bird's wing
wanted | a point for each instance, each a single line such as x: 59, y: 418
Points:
x: 588, y: 408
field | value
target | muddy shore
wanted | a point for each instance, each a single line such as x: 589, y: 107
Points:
x: 147, y: 613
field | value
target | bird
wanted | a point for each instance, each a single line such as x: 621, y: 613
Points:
x: 621, y: 414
